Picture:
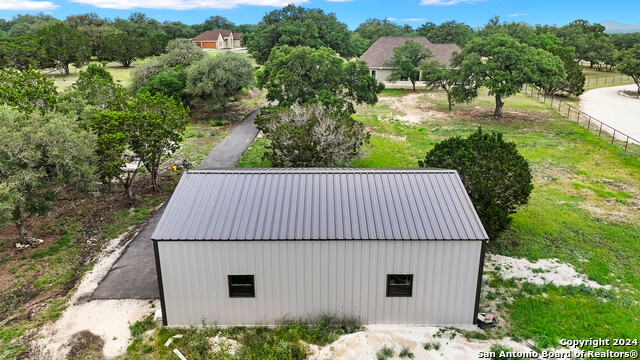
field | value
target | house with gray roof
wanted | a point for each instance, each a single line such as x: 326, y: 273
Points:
x: 245, y: 247
x: 382, y: 50
x: 218, y: 40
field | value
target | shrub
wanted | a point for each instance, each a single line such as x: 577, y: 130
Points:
x: 384, y: 353
x: 495, y: 175
x: 311, y: 136
x: 405, y: 352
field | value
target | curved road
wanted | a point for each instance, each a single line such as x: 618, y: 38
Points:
x: 620, y: 112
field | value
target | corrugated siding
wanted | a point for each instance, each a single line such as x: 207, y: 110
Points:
x: 320, y: 204
x: 297, y: 279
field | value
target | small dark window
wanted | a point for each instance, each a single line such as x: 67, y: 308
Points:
x: 373, y: 73
x: 399, y: 285
x: 241, y: 286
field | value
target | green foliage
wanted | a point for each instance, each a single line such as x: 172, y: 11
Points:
x: 405, y: 62
x: 27, y: 90
x: 495, y: 175
x: 630, y: 64
x: 384, y: 353
x: 305, y: 75
x: 310, y: 136
x: 503, y: 65
x: 298, y: 26
x: 216, y: 80
x: 406, y: 353
x: 170, y: 83
x: 437, y: 76
x: 40, y: 156
x: 373, y: 29
x: 182, y: 52
x: 432, y: 345
x: 589, y: 41
x: 123, y: 48
x: 624, y: 42
x: 20, y: 53
x: 447, y: 33
x: 158, y: 125
x: 60, y: 244
x: 63, y: 46
x: 142, y: 73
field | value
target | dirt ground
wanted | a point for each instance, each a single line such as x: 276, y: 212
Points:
x: 106, y: 320
x: 608, y: 106
x: 365, y: 344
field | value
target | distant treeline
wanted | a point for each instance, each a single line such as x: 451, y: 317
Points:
x: 41, y: 41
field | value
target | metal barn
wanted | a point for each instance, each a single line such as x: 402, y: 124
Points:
x: 259, y: 246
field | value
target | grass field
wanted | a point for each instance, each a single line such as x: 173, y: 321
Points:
x: 583, y: 210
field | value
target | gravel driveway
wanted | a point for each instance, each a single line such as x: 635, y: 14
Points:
x: 620, y: 112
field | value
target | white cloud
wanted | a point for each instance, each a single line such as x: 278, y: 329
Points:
x: 184, y: 4
x: 391, y: 19
x: 521, y: 14
x: 445, y: 2
x: 26, y: 5
x: 413, y: 19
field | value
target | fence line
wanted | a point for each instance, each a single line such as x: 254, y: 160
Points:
x: 609, y: 80
x: 580, y: 117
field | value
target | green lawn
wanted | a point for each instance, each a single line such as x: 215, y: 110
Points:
x: 121, y: 75
x: 583, y: 210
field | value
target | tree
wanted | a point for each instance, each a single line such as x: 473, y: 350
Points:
x: 215, y: 80
x: 447, y: 32
x: 310, y: 136
x: 405, y: 62
x: 40, y: 156
x: 27, y: 90
x: 548, y: 71
x: 502, y: 64
x: 630, y: 64
x: 496, y: 176
x: 156, y: 131
x: 123, y: 48
x: 297, y: 26
x: 63, y: 46
x: 213, y: 23
x: 96, y: 86
x: 20, y: 53
x: 141, y: 133
x: 304, y: 75
x: 182, y: 52
x: 438, y: 76
x: 112, y: 129
x: 373, y: 29
x: 177, y: 30
x: 170, y: 83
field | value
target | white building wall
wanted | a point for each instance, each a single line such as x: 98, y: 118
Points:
x: 298, y: 279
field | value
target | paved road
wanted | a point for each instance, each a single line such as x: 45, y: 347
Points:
x: 621, y: 112
x: 133, y: 276
x: 229, y: 151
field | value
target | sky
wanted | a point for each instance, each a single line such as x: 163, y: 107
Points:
x: 352, y: 12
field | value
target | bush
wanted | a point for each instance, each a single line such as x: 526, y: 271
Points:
x: 384, y: 353
x: 495, y: 175
x: 311, y: 136
x: 215, y: 80
x: 405, y: 352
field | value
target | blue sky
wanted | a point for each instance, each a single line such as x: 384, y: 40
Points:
x: 352, y: 12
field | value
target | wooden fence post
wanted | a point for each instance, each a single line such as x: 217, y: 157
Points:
x: 614, y: 136
x: 599, y: 133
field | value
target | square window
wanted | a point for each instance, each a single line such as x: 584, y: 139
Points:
x: 241, y: 286
x: 399, y: 285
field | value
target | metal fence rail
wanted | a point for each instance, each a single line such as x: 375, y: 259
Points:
x: 613, y: 135
x: 604, y: 80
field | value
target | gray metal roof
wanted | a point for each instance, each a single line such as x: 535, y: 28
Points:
x: 320, y: 204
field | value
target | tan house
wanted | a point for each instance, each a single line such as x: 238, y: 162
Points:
x: 382, y: 50
x: 218, y: 39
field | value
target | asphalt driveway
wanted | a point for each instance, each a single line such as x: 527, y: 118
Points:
x: 133, y: 276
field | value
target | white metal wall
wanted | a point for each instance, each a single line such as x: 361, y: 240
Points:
x: 298, y: 279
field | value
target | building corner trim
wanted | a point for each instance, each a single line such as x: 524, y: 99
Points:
x: 479, y: 283
x: 160, y: 285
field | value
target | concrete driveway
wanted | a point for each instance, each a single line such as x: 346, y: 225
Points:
x: 620, y: 112
x: 133, y: 276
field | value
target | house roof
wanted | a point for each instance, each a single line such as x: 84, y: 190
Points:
x: 320, y: 204
x: 382, y: 50
x: 212, y: 35
x: 237, y: 36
